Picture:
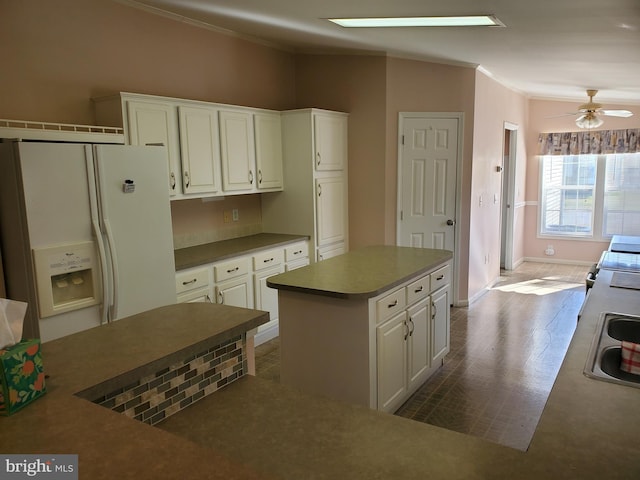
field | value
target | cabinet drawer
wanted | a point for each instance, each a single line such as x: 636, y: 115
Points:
x: 390, y: 305
x: 232, y: 268
x: 186, y: 281
x: 269, y: 258
x: 199, y: 295
x: 418, y: 289
x: 294, y: 252
x: 440, y: 277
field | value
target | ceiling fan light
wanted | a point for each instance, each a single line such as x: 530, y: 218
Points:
x: 589, y: 120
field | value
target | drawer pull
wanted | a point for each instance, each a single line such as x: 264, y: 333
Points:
x: 267, y: 260
x: 419, y: 289
x: 440, y: 277
x: 190, y: 281
x: 297, y: 252
x: 434, y: 310
x: 391, y: 305
x: 413, y: 327
x: 231, y: 270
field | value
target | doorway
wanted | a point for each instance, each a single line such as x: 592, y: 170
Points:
x: 508, y: 195
x: 429, y: 157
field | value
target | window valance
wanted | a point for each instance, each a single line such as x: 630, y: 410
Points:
x: 589, y: 142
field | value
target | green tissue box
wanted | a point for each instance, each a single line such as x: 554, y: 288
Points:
x: 21, y: 376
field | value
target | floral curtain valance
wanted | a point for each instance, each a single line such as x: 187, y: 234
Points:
x: 589, y: 142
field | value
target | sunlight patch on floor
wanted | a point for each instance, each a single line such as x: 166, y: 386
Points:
x: 538, y: 286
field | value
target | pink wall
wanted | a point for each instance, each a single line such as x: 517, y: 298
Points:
x: 494, y: 105
x: 543, y: 117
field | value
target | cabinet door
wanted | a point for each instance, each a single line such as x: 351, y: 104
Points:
x: 266, y: 298
x: 330, y: 210
x: 391, y: 340
x: 268, y: 135
x: 330, y: 134
x: 199, y: 295
x: 440, y: 325
x: 155, y: 123
x: 200, y: 150
x: 237, y: 151
x: 419, y: 345
x: 235, y: 293
x: 330, y: 251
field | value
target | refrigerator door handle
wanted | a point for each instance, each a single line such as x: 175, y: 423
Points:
x: 114, y: 270
x: 95, y: 222
x: 104, y: 272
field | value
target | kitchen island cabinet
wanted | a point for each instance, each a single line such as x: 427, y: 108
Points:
x: 367, y: 327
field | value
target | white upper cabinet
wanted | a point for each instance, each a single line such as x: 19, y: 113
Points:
x: 330, y: 133
x: 268, y: 136
x: 152, y: 123
x: 237, y: 151
x: 213, y: 149
x: 200, y: 149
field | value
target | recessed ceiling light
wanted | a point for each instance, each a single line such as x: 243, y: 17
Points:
x: 461, y: 21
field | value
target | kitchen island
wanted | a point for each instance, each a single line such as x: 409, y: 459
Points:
x: 256, y: 429
x: 367, y: 327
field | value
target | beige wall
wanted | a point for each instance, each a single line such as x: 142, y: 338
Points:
x: 357, y: 85
x: 59, y: 54
x: 543, y: 117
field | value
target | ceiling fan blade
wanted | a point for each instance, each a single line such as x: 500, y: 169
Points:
x: 564, y: 115
x: 616, y: 113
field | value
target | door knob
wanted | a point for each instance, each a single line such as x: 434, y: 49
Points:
x: 451, y: 222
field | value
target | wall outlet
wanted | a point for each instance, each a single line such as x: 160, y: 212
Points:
x: 235, y: 215
x: 549, y: 250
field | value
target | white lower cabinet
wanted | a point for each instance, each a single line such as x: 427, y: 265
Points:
x: 392, y: 361
x: 194, y: 285
x: 412, y: 336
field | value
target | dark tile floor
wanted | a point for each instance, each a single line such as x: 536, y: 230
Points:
x: 506, y: 350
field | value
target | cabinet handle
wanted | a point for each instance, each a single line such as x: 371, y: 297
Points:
x: 318, y: 158
x: 186, y: 179
x: 221, y: 296
x: 319, y: 190
x: 251, y: 177
x: 190, y: 281
x: 418, y: 290
x: 413, y: 327
x: 391, y: 305
x: 233, y: 270
x: 260, y: 177
x: 173, y: 180
x: 434, y: 310
x: 406, y: 333
x: 268, y: 260
x: 440, y: 277
x: 297, y: 252
x: 208, y: 299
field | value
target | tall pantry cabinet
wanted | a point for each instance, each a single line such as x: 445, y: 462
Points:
x: 314, y: 201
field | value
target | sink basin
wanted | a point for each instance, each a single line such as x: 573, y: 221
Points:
x: 603, y: 362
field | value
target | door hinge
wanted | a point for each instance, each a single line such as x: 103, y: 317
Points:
x: 401, y: 215
x: 402, y: 140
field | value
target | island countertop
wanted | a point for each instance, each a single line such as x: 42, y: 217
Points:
x: 361, y: 273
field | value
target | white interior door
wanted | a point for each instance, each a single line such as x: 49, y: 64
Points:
x: 427, y: 177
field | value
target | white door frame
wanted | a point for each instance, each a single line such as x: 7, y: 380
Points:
x: 509, y: 202
x: 456, y: 230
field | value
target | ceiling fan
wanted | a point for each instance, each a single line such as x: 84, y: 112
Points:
x: 591, y: 112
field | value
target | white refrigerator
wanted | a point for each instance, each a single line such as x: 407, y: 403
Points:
x: 85, y: 233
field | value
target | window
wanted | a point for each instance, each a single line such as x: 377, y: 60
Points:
x: 591, y: 196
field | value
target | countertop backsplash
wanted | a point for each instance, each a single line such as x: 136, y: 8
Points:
x: 196, y: 222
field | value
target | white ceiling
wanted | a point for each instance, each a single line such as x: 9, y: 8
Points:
x: 548, y: 49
